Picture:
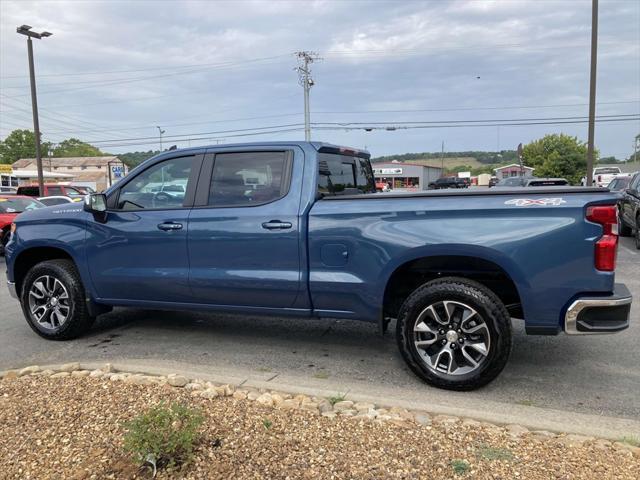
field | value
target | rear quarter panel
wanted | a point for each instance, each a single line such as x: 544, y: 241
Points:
x: 547, y: 250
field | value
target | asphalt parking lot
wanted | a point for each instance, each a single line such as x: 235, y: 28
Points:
x: 596, y: 375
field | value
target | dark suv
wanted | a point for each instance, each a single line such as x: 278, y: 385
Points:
x: 448, y: 182
x: 629, y: 207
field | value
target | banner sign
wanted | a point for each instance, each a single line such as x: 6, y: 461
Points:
x: 387, y: 171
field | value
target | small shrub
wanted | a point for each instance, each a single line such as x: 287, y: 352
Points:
x: 339, y: 397
x: 163, y: 436
x: 494, y: 453
x: 460, y: 467
x: 267, y: 423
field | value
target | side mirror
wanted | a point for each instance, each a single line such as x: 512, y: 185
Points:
x: 95, y: 203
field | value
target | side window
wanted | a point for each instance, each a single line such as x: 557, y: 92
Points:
x: 162, y: 186
x: 341, y: 173
x: 54, y: 190
x: 249, y: 178
x: 635, y: 185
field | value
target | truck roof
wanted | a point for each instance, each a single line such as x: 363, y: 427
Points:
x: 318, y: 146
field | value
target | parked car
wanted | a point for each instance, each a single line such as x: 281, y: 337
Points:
x: 55, y: 200
x: 620, y: 183
x: 629, y: 210
x: 602, y: 176
x: 8, y: 190
x: 447, y: 182
x: 531, y: 182
x: 52, y: 190
x: 10, y: 207
x: 493, y: 182
x: 315, y: 239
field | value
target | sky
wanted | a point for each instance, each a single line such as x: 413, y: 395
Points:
x: 211, y: 72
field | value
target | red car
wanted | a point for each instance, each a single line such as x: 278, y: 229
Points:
x: 10, y: 207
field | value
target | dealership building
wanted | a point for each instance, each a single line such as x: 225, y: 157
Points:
x: 405, y: 176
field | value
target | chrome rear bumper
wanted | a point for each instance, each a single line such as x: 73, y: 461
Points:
x: 601, y: 314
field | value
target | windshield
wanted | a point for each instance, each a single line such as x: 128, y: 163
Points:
x: 510, y: 182
x: 17, y: 205
x: 619, y: 183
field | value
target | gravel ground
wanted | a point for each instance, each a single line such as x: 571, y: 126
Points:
x: 71, y: 427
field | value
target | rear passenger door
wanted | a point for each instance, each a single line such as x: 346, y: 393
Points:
x: 244, y: 230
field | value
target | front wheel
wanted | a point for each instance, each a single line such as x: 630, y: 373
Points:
x: 454, y: 333
x: 53, y: 300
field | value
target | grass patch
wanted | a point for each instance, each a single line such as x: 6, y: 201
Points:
x: 321, y: 375
x: 263, y: 369
x: 460, y: 467
x: 267, y: 423
x: 494, y: 453
x: 526, y: 403
x: 630, y: 440
x: 339, y: 397
x: 163, y: 436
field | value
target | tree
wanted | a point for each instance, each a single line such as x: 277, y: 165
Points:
x: 557, y: 155
x: 73, y: 147
x: 18, y: 144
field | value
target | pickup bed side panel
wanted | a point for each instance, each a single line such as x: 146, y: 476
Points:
x: 547, y: 250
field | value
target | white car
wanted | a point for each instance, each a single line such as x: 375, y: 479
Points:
x: 55, y: 200
x: 602, y: 176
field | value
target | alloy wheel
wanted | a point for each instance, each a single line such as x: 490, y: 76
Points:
x: 49, y: 302
x: 451, y: 338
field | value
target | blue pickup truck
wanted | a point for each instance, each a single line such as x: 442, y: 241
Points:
x: 297, y: 228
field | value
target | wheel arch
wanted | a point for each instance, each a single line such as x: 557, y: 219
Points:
x: 29, y: 257
x: 488, y: 267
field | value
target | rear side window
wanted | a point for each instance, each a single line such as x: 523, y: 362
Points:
x: 249, y: 178
x: 54, y: 190
x: 342, y: 174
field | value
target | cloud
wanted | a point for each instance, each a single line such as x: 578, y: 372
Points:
x: 171, y: 62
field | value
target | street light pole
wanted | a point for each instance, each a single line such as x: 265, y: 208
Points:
x: 26, y: 30
x: 161, y: 132
x: 592, y: 91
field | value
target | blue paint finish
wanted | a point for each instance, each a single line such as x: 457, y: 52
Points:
x: 335, y: 260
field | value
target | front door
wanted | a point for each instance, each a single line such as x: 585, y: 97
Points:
x: 244, y: 230
x: 140, y: 252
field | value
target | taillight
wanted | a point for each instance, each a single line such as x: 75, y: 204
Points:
x: 607, y: 246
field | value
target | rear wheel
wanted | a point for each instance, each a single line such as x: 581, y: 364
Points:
x: 53, y: 300
x: 454, y: 333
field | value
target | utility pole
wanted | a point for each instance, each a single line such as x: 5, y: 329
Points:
x: 161, y: 132
x: 442, y: 160
x: 592, y: 91
x: 26, y: 30
x: 304, y: 78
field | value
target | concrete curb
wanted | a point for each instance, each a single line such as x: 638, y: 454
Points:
x: 534, y: 418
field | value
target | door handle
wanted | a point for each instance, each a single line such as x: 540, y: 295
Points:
x: 276, y: 225
x: 168, y: 226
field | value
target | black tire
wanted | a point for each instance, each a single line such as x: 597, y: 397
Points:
x: 78, y: 320
x: 489, y: 310
x: 638, y: 233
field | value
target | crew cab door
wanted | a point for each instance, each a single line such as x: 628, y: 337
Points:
x: 139, y: 253
x: 244, y: 229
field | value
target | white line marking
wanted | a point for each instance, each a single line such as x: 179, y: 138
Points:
x: 628, y: 250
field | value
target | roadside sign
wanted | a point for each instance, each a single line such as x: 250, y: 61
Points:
x: 387, y: 171
x: 6, y: 169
